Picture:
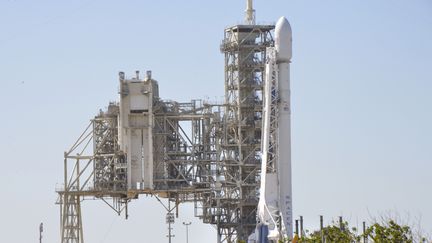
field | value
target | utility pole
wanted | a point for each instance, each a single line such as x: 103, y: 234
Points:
x: 364, y: 233
x: 187, y: 230
x: 322, y: 228
x: 40, y: 232
x: 301, y: 227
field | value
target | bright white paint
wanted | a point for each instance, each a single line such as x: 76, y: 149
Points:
x: 276, y: 190
x: 283, y: 47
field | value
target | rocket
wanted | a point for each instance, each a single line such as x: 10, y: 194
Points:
x: 283, y: 45
x: 275, y: 203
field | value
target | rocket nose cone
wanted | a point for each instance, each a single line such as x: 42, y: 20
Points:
x: 283, y: 42
x: 283, y: 26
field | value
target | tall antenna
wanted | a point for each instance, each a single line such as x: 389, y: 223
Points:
x: 250, y: 13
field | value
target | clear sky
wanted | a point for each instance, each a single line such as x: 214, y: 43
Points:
x: 361, y: 97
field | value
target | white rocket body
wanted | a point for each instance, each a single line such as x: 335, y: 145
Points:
x: 283, y: 45
x: 275, y: 203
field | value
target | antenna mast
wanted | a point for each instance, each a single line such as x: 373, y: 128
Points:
x: 250, y: 13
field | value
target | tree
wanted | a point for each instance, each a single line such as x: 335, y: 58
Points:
x: 391, y: 232
x: 333, y: 233
x: 386, y: 232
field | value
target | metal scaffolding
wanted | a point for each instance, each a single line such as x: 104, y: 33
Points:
x: 95, y: 167
x: 208, y: 154
x: 244, y: 47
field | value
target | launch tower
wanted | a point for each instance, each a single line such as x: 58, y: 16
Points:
x: 244, y: 47
x: 208, y: 154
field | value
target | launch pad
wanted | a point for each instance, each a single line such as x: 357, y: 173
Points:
x: 199, y: 152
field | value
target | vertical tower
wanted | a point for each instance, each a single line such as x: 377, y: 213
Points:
x: 136, y: 129
x: 244, y: 47
x: 250, y: 13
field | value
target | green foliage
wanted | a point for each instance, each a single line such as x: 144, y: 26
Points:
x: 333, y: 233
x: 387, y: 232
x: 391, y: 232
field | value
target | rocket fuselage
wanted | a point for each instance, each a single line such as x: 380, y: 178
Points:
x: 283, y: 45
x: 276, y: 191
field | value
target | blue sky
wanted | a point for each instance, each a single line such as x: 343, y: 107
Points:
x: 361, y: 96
